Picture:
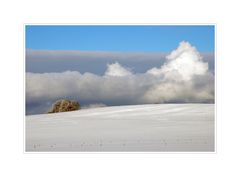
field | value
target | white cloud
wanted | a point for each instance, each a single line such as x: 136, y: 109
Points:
x: 117, y: 70
x: 182, y: 64
x: 184, y: 77
x: 179, y: 75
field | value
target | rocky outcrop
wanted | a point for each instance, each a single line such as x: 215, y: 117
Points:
x: 64, y: 106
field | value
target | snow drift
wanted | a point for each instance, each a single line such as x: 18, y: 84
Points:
x: 156, y: 127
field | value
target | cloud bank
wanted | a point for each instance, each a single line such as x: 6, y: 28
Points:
x: 45, y: 61
x: 184, y: 77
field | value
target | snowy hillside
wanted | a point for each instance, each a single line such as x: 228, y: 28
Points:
x: 153, y: 127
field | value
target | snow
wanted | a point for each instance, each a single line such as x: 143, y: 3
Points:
x: 144, y: 128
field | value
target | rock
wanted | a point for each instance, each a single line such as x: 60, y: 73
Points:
x: 64, y: 106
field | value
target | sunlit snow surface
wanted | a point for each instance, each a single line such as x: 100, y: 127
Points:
x: 153, y: 127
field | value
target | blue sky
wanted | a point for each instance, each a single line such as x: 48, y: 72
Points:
x: 118, y: 37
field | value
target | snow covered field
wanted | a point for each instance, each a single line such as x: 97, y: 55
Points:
x: 153, y: 127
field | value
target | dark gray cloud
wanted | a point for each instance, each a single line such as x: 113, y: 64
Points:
x: 42, y: 61
x: 109, y: 78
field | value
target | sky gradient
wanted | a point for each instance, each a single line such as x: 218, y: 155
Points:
x: 119, y: 37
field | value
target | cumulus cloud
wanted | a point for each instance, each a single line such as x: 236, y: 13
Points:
x: 182, y: 64
x: 183, y: 78
x: 117, y: 70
